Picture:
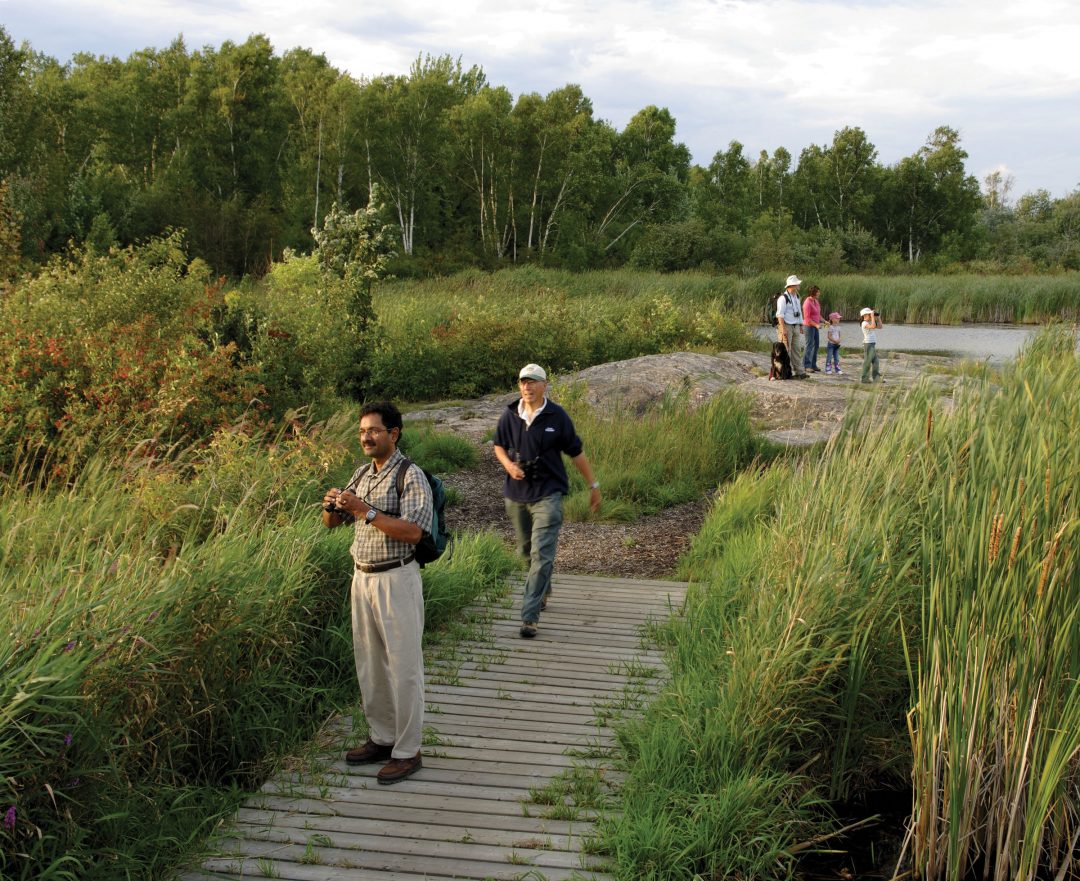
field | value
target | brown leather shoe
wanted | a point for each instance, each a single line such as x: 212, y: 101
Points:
x: 399, y: 769
x: 369, y: 752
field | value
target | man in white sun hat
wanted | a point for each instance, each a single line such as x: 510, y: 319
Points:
x: 789, y: 325
x: 532, y: 435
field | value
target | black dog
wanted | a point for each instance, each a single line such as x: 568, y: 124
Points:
x: 781, y: 362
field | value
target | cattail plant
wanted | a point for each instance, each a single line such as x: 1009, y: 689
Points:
x: 995, y: 725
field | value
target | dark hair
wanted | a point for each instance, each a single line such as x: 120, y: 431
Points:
x: 391, y: 415
x: 813, y: 289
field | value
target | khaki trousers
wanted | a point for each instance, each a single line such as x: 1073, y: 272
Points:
x: 388, y: 627
x: 796, y: 348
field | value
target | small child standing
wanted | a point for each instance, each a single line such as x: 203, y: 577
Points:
x: 832, y: 340
x: 871, y: 323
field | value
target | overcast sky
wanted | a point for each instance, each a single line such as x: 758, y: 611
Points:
x: 768, y: 73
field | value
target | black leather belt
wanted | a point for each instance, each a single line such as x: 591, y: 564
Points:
x: 369, y: 568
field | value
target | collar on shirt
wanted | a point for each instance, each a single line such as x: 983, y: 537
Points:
x: 529, y: 417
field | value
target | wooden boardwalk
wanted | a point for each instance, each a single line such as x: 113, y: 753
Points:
x: 506, y: 718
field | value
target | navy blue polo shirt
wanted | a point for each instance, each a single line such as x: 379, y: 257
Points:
x: 550, y: 435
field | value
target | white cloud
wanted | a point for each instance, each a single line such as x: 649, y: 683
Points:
x: 791, y: 70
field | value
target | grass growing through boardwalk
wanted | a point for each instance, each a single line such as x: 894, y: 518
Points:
x: 903, y: 607
x: 168, y: 628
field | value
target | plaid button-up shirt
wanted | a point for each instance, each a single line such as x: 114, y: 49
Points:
x: 379, y: 489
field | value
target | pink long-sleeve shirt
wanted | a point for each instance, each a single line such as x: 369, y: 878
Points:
x: 811, y: 310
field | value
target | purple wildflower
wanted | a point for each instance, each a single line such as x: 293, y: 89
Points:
x: 152, y: 615
x: 67, y: 739
x: 9, y: 818
x: 70, y: 646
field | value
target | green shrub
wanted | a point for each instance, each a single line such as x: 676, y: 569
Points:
x: 436, y: 451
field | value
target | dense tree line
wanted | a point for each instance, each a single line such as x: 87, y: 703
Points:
x: 247, y: 151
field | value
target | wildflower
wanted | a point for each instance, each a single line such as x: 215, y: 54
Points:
x: 70, y: 647
x: 67, y: 739
x: 9, y: 818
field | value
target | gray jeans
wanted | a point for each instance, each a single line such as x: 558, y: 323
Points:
x: 536, y: 525
x: 870, y: 361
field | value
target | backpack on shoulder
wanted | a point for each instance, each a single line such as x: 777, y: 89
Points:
x: 769, y: 314
x: 432, y: 545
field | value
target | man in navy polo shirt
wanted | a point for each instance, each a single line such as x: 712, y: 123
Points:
x: 530, y: 439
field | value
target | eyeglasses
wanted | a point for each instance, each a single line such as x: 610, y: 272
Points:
x: 371, y: 432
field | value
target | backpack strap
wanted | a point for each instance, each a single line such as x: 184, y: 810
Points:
x: 355, y: 482
x: 403, y: 466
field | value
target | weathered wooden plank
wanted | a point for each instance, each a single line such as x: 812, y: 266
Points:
x: 312, y: 810
x: 438, y: 704
x: 453, y: 798
x: 248, y: 854
x: 396, y: 851
x: 421, y: 829
x: 582, y: 698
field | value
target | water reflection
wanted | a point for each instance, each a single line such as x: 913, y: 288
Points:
x: 993, y: 342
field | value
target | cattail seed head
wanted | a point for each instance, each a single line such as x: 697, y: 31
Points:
x: 995, y: 536
x: 1015, y: 547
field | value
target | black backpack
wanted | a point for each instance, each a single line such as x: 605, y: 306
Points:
x: 769, y: 316
x: 432, y: 545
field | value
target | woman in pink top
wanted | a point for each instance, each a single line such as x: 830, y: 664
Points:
x: 811, y: 310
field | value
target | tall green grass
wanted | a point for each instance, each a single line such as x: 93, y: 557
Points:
x: 995, y: 723
x: 668, y: 454
x: 169, y: 627
x: 956, y: 299
x: 464, y: 335
x: 862, y: 620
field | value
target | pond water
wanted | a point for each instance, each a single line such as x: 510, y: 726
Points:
x: 993, y: 342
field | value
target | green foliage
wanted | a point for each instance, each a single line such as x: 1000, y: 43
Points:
x: 470, y: 334
x: 116, y: 341
x: 667, y: 454
x: 956, y: 299
x: 929, y: 625
x: 243, y: 149
x: 438, y: 452
x: 357, y: 244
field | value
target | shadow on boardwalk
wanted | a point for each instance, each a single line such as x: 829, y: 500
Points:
x: 506, y: 719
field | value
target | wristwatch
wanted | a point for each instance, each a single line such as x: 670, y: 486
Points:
x: 371, y: 515
x: 594, y: 485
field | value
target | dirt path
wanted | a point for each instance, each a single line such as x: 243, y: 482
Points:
x: 796, y: 413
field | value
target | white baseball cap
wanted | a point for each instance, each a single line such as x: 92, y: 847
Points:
x: 792, y: 280
x: 534, y: 372
x: 866, y: 310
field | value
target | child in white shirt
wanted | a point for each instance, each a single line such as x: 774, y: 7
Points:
x: 832, y: 341
x: 871, y: 323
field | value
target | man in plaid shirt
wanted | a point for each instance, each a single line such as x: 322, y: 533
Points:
x: 387, y: 595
